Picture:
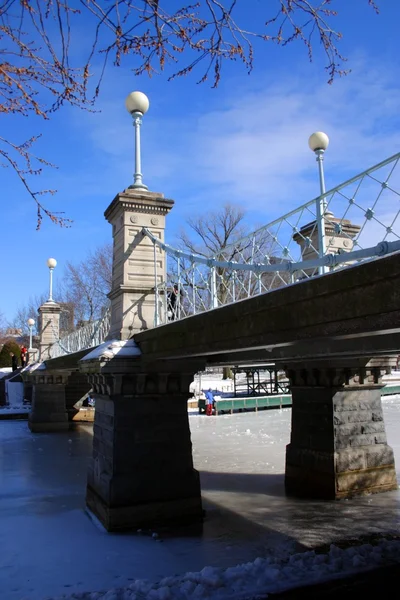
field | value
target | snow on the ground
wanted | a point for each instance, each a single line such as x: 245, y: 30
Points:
x: 393, y: 375
x: 208, y: 380
x: 263, y: 576
x: 4, y: 371
x: 253, y: 535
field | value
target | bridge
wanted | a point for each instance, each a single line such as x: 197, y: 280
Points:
x: 313, y: 292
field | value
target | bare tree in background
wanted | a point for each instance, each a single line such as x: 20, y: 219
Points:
x: 81, y: 292
x: 29, y: 310
x: 38, y: 75
x: 224, y: 236
x: 85, y: 285
x: 3, y: 326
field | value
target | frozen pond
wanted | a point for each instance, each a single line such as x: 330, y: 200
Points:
x: 51, y: 547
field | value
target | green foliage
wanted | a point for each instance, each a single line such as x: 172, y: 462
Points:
x: 5, y: 358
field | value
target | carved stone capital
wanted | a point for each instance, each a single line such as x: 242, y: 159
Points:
x: 44, y: 377
x: 140, y: 384
x: 341, y: 373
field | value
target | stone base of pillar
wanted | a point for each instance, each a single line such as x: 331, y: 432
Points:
x: 48, y: 411
x: 48, y: 427
x: 152, y: 514
x: 313, y: 474
x: 338, y: 446
x: 141, y: 473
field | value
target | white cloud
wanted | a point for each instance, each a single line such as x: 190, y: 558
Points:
x: 252, y: 147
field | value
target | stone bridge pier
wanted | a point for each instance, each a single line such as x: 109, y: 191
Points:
x: 141, y: 472
x: 55, y: 392
x: 338, y: 446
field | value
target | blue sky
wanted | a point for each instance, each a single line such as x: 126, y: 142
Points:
x: 244, y: 142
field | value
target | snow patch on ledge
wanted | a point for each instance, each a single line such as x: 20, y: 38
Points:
x: 126, y: 348
x: 40, y: 366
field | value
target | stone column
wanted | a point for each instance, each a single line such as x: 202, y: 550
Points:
x: 48, y: 412
x: 133, y: 278
x: 49, y: 328
x: 339, y: 233
x: 141, y: 473
x: 338, y: 445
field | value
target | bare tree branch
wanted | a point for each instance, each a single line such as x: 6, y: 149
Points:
x: 37, y: 76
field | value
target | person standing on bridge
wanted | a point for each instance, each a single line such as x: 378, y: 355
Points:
x: 173, y: 302
x: 24, y: 355
x: 14, y: 361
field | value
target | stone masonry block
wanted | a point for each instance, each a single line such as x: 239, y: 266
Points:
x: 362, y: 440
x: 369, y: 480
x: 377, y: 427
x: 377, y: 416
x: 350, y: 460
x: 380, y: 438
x: 379, y: 455
x: 344, y: 406
x: 349, y: 429
x: 361, y: 416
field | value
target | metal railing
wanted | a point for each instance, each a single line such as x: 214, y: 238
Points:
x: 88, y: 336
x: 361, y: 221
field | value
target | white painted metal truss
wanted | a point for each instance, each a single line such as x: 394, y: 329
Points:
x: 362, y: 221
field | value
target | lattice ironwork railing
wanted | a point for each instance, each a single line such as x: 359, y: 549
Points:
x: 88, y: 336
x: 359, y: 220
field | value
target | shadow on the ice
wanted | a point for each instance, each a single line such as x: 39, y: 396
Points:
x: 311, y: 521
x: 271, y: 484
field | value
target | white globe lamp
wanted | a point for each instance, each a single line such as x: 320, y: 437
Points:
x: 137, y: 104
x: 318, y: 141
x: 31, y: 323
x: 51, y: 263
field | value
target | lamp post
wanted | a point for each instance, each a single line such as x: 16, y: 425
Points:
x: 137, y: 104
x: 31, y: 323
x: 51, y: 263
x: 318, y: 142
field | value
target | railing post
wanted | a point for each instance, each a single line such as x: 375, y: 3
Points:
x: 253, y: 245
x: 178, y: 302
x: 214, y: 295
x: 194, y: 289
x: 156, y: 319
x: 321, y: 207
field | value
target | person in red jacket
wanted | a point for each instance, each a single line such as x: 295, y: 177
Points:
x: 209, y: 402
x: 24, y: 355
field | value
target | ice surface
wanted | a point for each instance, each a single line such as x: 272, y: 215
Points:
x: 253, y: 534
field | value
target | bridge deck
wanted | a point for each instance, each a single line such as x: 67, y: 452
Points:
x: 355, y: 311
